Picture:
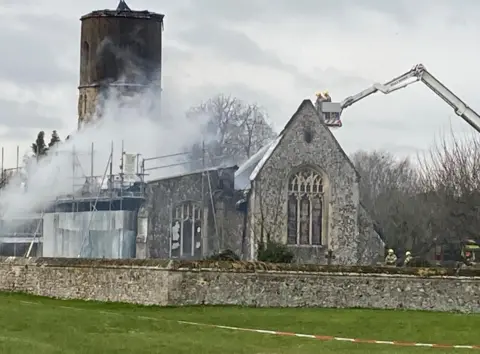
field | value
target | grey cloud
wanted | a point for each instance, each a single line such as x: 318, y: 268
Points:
x: 223, y: 10
x: 9, y: 3
x: 173, y: 55
x: 400, y: 11
x: 331, y: 78
x: 237, y: 46
x: 254, y: 10
x: 18, y: 134
x: 406, y: 150
x: 241, y: 91
x: 30, y: 54
x: 231, y: 45
x: 261, y: 98
x: 387, y: 128
x: 27, y: 115
x: 408, y: 11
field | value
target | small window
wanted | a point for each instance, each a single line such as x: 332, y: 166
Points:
x: 308, y: 135
x: 85, y: 105
x: 86, y: 52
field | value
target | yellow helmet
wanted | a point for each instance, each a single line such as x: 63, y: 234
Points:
x: 323, y: 93
x: 408, y: 253
x: 390, y: 251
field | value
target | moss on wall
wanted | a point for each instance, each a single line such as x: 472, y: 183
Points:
x: 239, y: 266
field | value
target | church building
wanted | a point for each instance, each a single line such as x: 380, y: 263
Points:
x: 301, y: 190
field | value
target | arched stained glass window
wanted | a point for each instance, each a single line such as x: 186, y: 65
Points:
x: 305, y: 208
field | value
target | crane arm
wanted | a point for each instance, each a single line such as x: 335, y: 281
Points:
x: 390, y: 86
x: 460, y: 108
x: 420, y: 73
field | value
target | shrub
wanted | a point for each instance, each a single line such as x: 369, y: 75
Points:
x: 274, y: 252
x: 419, y: 262
x: 226, y: 255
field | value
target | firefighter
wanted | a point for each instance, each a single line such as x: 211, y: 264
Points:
x: 468, y: 251
x: 324, y: 96
x: 327, y: 96
x: 408, y: 258
x: 468, y: 258
x: 391, y: 258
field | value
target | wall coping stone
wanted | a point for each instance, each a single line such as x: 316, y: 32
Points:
x: 244, y: 267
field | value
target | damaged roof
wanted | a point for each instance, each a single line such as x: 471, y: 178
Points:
x: 123, y: 10
x: 190, y: 173
x: 249, y: 170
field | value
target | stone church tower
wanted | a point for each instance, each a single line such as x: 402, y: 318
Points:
x: 120, y: 49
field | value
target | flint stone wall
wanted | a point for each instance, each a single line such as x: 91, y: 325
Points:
x: 164, y: 282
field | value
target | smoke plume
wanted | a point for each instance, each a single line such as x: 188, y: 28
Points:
x: 139, y: 121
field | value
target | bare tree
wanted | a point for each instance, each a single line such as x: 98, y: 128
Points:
x: 235, y: 131
x: 381, y: 173
x: 450, y: 179
x: 389, y: 189
x: 436, y: 203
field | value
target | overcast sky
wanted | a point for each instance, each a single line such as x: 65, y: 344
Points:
x: 272, y: 52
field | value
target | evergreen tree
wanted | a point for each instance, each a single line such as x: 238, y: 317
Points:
x: 54, y: 139
x: 39, y: 148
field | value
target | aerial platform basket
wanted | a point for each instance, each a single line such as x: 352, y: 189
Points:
x: 330, y: 113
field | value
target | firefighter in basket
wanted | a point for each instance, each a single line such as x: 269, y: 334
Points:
x: 323, y: 96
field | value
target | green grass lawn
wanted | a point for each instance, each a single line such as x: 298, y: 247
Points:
x: 39, y: 325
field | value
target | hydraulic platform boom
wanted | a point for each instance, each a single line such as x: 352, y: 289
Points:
x: 333, y: 112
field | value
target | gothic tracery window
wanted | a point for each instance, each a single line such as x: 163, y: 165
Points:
x: 186, y: 232
x: 305, y: 208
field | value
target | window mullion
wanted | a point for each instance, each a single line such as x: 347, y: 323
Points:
x: 298, y: 218
x: 310, y: 220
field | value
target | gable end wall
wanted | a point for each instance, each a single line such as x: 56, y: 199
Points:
x: 342, y: 194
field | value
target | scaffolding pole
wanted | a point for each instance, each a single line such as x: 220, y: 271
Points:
x: 110, y: 185
x: 91, y: 162
x: 40, y: 222
x: 73, y: 169
x: 87, y: 231
x: 122, y: 170
x: 203, y: 233
x: 214, y: 211
x: 29, y: 251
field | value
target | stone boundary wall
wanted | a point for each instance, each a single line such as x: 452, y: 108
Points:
x: 166, y: 282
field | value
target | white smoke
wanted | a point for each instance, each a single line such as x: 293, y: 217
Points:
x: 139, y: 122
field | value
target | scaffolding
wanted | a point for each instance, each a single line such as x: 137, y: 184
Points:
x: 89, y: 193
x: 15, y: 235
x: 8, y: 173
x: 124, y: 190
